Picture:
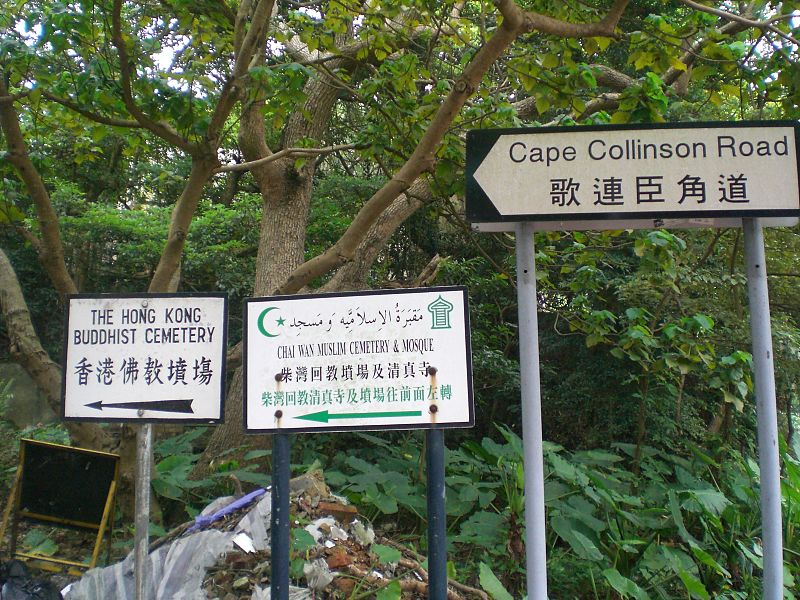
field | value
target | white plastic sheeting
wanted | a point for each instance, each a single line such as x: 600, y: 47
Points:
x: 177, y: 570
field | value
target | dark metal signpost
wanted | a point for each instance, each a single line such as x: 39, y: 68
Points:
x: 625, y: 177
x: 378, y: 360
x: 145, y: 358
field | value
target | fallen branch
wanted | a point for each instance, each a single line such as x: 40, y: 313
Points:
x: 408, y: 584
x: 416, y: 566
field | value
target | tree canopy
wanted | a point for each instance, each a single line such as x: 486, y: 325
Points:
x: 273, y: 146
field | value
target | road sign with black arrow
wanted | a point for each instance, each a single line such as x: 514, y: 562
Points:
x: 633, y: 176
x: 145, y: 358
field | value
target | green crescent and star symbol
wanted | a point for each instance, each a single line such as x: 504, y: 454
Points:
x: 274, y: 322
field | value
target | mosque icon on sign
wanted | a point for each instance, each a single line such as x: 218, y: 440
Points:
x: 440, y: 310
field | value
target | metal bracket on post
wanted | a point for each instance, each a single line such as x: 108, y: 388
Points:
x: 766, y: 409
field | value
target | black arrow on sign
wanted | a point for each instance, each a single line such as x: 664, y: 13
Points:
x: 176, y: 406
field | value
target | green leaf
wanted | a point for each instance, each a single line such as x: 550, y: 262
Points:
x: 550, y: 61
x: 451, y: 569
x: 484, y: 529
x: 542, y: 104
x: 675, y: 510
x: 735, y: 400
x: 393, y: 591
x: 711, y: 500
x: 491, y: 584
x: 624, y: 586
x: 302, y: 541
x: 253, y: 454
x: 386, y: 555
x: 694, y: 586
x: 704, y: 321
x: 386, y: 504
x: 38, y: 543
x: 708, y: 560
x: 166, y: 490
x: 580, y: 544
x: 10, y: 213
x: 677, y: 64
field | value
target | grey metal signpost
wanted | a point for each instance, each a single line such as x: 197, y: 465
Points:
x: 144, y: 464
x: 628, y: 177
x: 535, y: 544
x: 764, y: 376
x: 144, y: 358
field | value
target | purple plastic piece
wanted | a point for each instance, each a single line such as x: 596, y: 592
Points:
x: 202, y: 521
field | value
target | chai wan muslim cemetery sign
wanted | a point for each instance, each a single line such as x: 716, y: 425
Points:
x: 364, y: 360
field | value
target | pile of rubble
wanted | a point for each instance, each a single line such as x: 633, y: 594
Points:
x: 225, y: 555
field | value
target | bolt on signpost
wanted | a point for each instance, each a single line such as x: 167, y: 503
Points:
x: 742, y: 174
x: 144, y: 358
x: 378, y: 360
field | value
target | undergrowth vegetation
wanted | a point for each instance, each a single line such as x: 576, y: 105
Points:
x: 651, y: 524
x: 668, y: 525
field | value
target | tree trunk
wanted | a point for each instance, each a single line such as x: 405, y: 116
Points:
x: 27, y: 350
x: 286, y: 196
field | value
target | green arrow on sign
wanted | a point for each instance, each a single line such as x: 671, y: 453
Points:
x: 324, y: 416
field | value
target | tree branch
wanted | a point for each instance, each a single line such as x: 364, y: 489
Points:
x: 160, y: 128
x: 611, y: 78
x: 51, y: 250
x: 353, y: 275
x: 515, y: 22
x: 92, y: 116
x: 182, y: 214
x: 544, y: 24
x: 26, y: 349
x: 11, y: 98
x: 253, y: 39
x: 247, y: 45
x: 727, y: 16
x: 285, y: 153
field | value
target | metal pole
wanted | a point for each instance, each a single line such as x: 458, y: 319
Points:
x: 437, y: 524
x: 279, y: 520
x: 144, y: 464
x: 536, y: 551
x: 766, y: 408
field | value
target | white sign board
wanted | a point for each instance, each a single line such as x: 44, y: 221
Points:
x: 146, y: 358
x: 683, y: 172
x: 362, y: 360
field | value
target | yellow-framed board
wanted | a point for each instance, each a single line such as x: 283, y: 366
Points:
x: 61, y: 486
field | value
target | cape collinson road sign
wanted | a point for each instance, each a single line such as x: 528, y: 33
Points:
x: 619, y: 173
x: 332, y: 362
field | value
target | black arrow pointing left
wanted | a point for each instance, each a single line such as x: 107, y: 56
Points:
x: 175, y: 406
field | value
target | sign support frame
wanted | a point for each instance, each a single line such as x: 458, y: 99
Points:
x: 437, y: 518
x: 530, y: 387
x: 766, y: 409
x: 280, y: 526
x: 144, y: 464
